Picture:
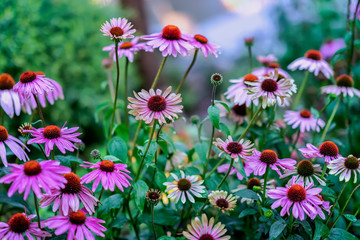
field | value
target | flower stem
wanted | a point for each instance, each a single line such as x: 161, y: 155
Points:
x: 324, y: 171
x: 135, y: 139
x: 336, y: 200
x: 250, y: 58
x: 253, y: 119
x: 53, y: 154
x: 212, y: 133
x: 264, y: 187
x: 126, y: 118
x: 116, y: 88
x: 317, y: 120
x: 38, y: 107
x: 351, y: 48
x: 43, y: 152
x: 220, y: 184
x: 133, y: 223
x: 112, y: 92
x: 330, y: 119
x: 271, y: 120
x: 301, y: 90
x: 214, y: 169
x: 37, y: 210
x: 291, y: 222
x: 295, y: 142
x: 159, y: 72
x: 350, y: 223
x: 343, y: 209
x: 152, y: 220
x: 2, y: 116
x: 187, y: 72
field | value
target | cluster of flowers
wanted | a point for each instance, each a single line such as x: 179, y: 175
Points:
x: 264, y: 87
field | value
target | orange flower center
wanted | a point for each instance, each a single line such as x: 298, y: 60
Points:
x: 268, y: 157
x: 252, y: 182
x: 3, y: 134
x: 32, y: 168
x: 201, y: 39
x: 344, y: 81
x: 73, y: 184
x: 52, y: 132
x: 274, y: 65
x: 126, y: 45
x: 313, y: 54
x: 39, y: 73
x: 250, y: 78
x: 296, y: 193
x: 116, y: 31
x: 77, y: 218
x: 305, y: 114
x: 171, y: 32
x: 329, y: 148
x: 27, y: 77
x: 19, y: 223
x: 157, y: 103
x: 305, y: 168
x: 107, y: 166
x: 6, y: 82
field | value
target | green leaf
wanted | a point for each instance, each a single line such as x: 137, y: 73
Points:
x: 214, y: 115
x: 202, y: 123
x: 192, y: 171
x: 338, y: 233
x: 67, y: 160
x: 164, y: 216
x: 328, y: 192
x: 247, y: 193
x: 241, y: 169
x: 314, y: 112
x: 119, y: 221
x: 276, y: 229
x: 307, y: 227
x: 224, y: 128
x: 320, y: 230
x: 248, y: 212
x: 160, y: 178
x: 225, y: 105
x: 350, y: 217
x: 122, y: 131
x: 201, y: 150
x: 112, y: 202
x: 15, y: 201
x: 166, y: 238
x: 140, y: 188
x: 118, y: 148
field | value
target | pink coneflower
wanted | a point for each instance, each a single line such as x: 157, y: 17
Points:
x: 272, y: 89
x: 225, y: 167
x: 304, y: 120
x: 170, y: 41
x: 302, y: 200
x: 346, y: 167
x: 109, y: 173
x: 235, y: 149
x: 127, y: 49
x: 67, y: 199
x: 52, y: 135
x: 9, y: 99
x: 328, y: 150
x: 15, y: 145
x: 201, y: 42
x: 238, y: 113
x: 20, y: 227
x: 313, y: 62
x: 118, y: 28
x: 204, y: 229
x: 35, y: 175
x: 259, y: 161
x: 331, y: 46
x: 270, y: 68
x: 344, y: 85
x: 31, y: 83
x: 238, y: 92
x: 222, y: 200
x: 256, y: 185
x: 77, y: 224
x: 265, y: 60
x: 183, y: 188
x: 305, y: 172
x: 155, y: 105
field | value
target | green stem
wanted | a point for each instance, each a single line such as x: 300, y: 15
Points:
x: 159, y: 72
x: 317, y: 120
x: 116, y: 88
x: 350, y: 223
x: 157, y: 151
x: 187, y: 72
x: 264, y: 187
x: 99, y: 198
x: 112, y: 92
x: 43, y: 152
x: 301, y: 90
x: 250, y: 58
x: 291, y: 222
x: 295, y: 142
x: 53, y: 155
x: 2, y: 116
x: 37, y: 210
x: 126, y: 118
x: 330, y: 119
x: 343, y: 209
x: 220, y: 184
x: 152, y: 220
x: 253, y: 119
x: 336, y: 200
x: 133, y: 223
x: 272, y: 117
x: 324, y: 171
x: 348, y: 116
x: 214, y: 169
x: 38, y: 107
x: 351, y: 48
x: 135, y: 139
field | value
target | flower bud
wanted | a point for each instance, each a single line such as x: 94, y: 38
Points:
x: 107, y: 63
x: 268, y: 213
x: 195, y: 119
x: 95, y: 154
x: 216, y: 79
x: 257, y: 189
x: 249, y: 41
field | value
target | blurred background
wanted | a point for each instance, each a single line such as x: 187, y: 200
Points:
x: 62, y: 39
